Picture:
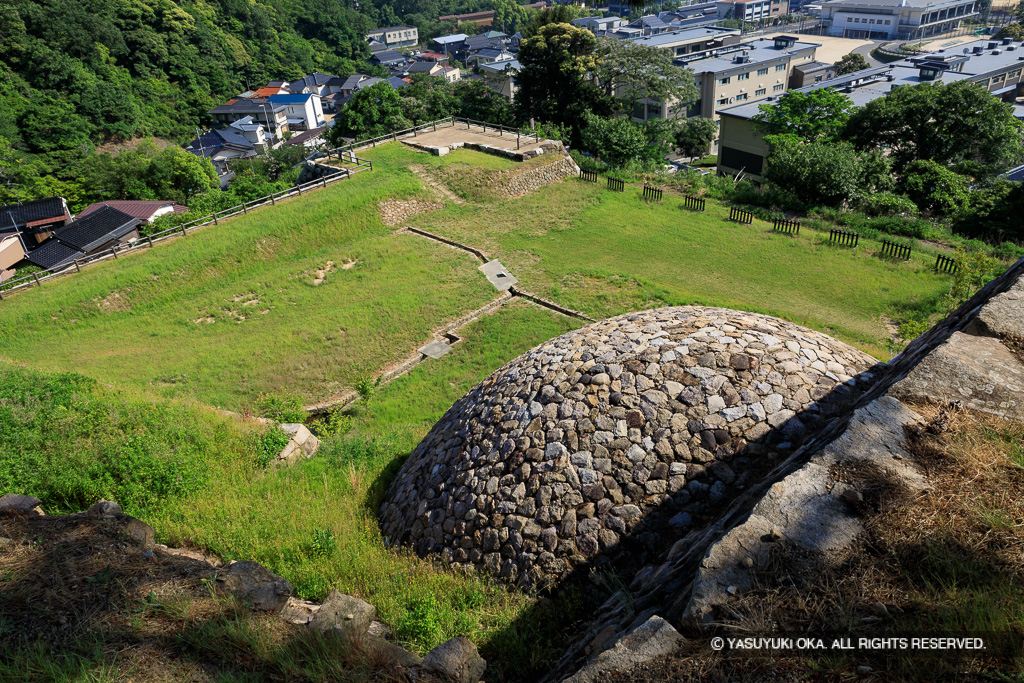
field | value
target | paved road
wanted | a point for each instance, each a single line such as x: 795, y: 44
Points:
x: 865, y: 51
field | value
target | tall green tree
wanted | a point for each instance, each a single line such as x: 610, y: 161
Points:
x: 631, y: 72
x: 509, y: 16
x: 819, y: 114
x: 850, y: 63
x: 371, y: 112
x: 957, y: 124
x: 553, y: 83
x: 816, y: 172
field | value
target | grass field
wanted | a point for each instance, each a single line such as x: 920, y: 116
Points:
x: 168, y: 323
x: 232, y: 311
x: 606, y: 253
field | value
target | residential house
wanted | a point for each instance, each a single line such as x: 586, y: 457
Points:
x: 599, y: 25
x: 274, y: 117
x: 650, y: 25
x: 101, y: 230
x: 737, y: 73
x: 315, y: 83
x: 449, y: 44
x: 376, y: 46
x: 243, y: 139
x: 388, y: 58
x: 436, y: 69
x: 146, y: 211
x: 501, y: 77
x: 398, y: 83
x: 993, y: 65
x: 430, y: 56
x: 11, y: 252
x: 304, y: 110
x: 752, y: 10
x: 494, y: 35
x: 895, y: 19
x: 488, y: 55
x: 307, y: 138
x: 395, y: 36
x: 35, y: 219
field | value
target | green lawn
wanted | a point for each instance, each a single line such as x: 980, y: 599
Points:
x: 606, y: 253
x: 231, y: 311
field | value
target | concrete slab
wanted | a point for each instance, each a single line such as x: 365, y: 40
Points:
x: 498, y: 275
x: 435, y: 349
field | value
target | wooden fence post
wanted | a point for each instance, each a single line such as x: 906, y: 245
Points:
x: 36, y: 276
x: 323, y: 179
x: 183, y: 231
x: 113, y: 250
x: 150, y: 239
x: 244, y: 210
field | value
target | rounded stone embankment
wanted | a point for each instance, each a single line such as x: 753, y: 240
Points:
x: 560, y: 457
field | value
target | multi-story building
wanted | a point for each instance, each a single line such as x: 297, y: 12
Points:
x: 736, y: 73
x: 303, y: 110
x: 395, y: 36
x: 894, y: 19
x: 752, y: 10
x: 688, y: 43
x: 997, y: 66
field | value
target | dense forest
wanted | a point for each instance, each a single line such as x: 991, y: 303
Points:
x: 77, y: 73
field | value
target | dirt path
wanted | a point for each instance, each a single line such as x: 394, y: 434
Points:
x: 437, y: 188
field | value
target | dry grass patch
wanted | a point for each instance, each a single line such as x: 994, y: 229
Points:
x: 948, y: 561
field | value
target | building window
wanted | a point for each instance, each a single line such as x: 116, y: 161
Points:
x: 723, y: 101
x: 762, y: 72
x: 780, y: 67
x: 777, y: 88
x: 742, y: 77
x: 724, y: 81
x: 760, y: 91
x: 741, y: 97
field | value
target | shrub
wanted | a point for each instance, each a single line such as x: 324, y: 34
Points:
x: 324, y: 544
x: 281, y: 408
x: 267, y: 445
x: 887, y: 204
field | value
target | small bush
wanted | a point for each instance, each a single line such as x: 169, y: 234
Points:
x: 887, y: 204
x: 281, y: 408
x: 267, y: 445
x: 324, y: 544
x: 367, y: 388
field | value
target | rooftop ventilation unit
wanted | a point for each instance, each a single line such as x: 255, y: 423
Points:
x: 1011, y: 48
x: 978, y: 49
x: 997, y: 52
x: 991, y: 45
x: 890, y: 78
x: 1007, y: 41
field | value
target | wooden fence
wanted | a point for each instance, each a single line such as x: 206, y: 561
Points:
x: 694, y: 203
x: 616, y: 185
x: 894, y: 250
x: 652, y: 193
x: 844, y: 238
x: 785, y: 226
x: 449, y: 122
x: 589, y: 176
x: 741, y: 215
x: 945, y: 264
x: 359, y: 165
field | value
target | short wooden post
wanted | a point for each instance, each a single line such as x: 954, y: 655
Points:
x: 272, y: 200
x: 78, y: 268
x: 299, y: 188
x: 149, y: 238
x: 183, y: 230
x: 244, y: 210
x: 324, y: 181
x: 1, y: 295
x: 215, y: 219
x: 36, y: 276
x: 517, y: 139
x: 113, y: 250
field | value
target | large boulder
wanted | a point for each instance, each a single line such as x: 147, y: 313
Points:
x: 342, y: 614
x: 455, y: 660
x: 262, y: 590
x: 651, y: 639
x: 18, y: 503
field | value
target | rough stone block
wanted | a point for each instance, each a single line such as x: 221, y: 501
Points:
x: 457, y: 659
x: 345, y: 615
x: 252, y: 583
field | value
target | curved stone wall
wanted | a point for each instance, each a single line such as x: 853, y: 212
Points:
x: 560, y: 455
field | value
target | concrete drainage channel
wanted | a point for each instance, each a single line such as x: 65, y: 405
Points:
x: 447, y: 337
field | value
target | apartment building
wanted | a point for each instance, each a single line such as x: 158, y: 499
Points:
x: 395, y: 36
x: 997, y: 66
x: 752, y: 10
x: 737, y: 73
x: 894, y: 19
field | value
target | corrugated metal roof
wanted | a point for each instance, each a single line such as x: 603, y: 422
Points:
x: 96, y: 229
x: 142, y: 209
x: 53, y: 254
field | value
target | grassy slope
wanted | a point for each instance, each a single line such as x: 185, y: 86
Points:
x: 607, y: 253
x: 312, y: 340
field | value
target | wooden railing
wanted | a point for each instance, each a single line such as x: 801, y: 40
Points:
x: 36, y: 279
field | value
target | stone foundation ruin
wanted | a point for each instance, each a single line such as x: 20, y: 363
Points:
x: 561, y: 457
